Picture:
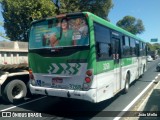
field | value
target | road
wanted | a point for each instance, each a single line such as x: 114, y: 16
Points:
x: 50, y: 105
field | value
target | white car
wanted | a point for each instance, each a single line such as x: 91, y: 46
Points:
x: 149, y: 58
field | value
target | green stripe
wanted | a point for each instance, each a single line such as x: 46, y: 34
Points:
x: 40, y: 64
x: 105, y: 66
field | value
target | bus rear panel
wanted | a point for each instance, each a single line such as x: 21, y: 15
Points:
x: 60, y: 58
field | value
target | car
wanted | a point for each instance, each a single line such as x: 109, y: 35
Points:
x: 149, y: 58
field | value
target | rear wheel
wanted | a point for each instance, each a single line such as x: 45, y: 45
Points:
x: 14, y: 91
x: 126, y: 87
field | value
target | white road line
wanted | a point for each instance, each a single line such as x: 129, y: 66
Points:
x: 133, y: 102
x: 23, y: 104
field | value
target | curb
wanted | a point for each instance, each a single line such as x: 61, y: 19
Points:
x: 156, y: 81
x: 139, y: 101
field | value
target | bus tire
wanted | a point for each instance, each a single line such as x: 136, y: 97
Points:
x: 126, y: 86
x: 14, y: 91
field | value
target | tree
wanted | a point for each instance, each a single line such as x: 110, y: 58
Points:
x: 98, y: 7
x: 17, y: 13
x: 153, y: 47
x: 131, y: 24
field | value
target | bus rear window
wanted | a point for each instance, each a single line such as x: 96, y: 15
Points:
x: 62, y: 32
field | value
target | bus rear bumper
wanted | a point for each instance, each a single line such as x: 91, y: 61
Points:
x: 89, y: 95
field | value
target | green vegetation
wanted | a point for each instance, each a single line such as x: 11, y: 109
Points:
x: 2, y: 34
x: 17, y: 13
x: 131, y: 24
x: 153, y: 47
x: 100, y: 8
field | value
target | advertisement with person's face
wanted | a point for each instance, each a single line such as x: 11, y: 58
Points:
x: 64, y: 32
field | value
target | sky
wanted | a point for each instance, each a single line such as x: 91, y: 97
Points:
x: 1, y: 28
x: 146, y: 10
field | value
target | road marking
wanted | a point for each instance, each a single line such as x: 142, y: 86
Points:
x: 23, y: 103
x: 133, y: 102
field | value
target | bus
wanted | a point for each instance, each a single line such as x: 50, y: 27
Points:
x: 82, y: 56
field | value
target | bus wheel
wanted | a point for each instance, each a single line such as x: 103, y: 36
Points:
x: 126, y: 87
x: 14, y: 91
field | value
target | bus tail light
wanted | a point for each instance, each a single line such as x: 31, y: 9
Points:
x: 31, y: 74
x: 88, y: 79
x: 89, y: 72
x: 89, y: 76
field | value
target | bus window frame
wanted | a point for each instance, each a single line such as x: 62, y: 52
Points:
x: 124, y: 47
x: 117, y: 35
x: 96, y: 43
x: 132, y: 48
x: 142, y: 49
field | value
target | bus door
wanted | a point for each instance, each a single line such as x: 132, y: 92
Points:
x: 117, y: 66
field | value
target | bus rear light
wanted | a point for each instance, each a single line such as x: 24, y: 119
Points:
x: 89, y: 72
x: 88, y: 80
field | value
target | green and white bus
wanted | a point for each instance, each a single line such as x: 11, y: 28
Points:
x: 82, y: 56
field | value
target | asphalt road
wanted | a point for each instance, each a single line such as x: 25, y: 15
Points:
x: 61, y: 109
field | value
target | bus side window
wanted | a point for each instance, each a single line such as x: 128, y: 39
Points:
x: 137, y: 48
x: 132, y: 47
x: 144, y: 49
x: 104, y: 50
x: 102, y: 41
x: 141, y: 48
x: 126, y: 47
x: 110, y: 49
